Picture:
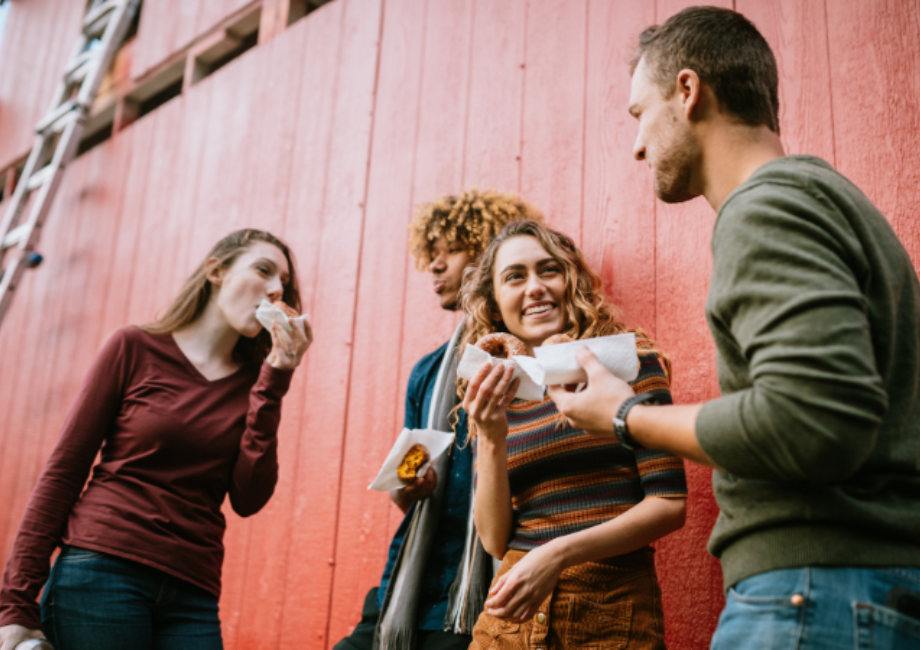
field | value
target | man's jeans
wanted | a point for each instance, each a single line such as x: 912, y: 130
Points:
x: 823, y: 609
x: 96, y: 601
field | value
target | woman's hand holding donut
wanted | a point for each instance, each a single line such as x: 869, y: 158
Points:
x: 487, y: 398
x: 288, y: 349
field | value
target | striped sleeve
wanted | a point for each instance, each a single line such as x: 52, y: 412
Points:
x: 660, y: 473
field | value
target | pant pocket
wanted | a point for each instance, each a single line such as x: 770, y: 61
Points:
x: 756, y: 622
x: 598, y: 626
x: 880, y: 628
x: 493, y: 633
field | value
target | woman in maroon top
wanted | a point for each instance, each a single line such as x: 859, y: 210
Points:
x: 185, y: 411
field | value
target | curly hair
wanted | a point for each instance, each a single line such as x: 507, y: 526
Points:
x: 588, y: 312
x: 471, y: 218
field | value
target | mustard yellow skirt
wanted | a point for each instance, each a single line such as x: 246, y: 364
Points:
x: 609, y: 605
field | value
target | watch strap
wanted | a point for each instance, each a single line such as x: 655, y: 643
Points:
x: 624, y: 437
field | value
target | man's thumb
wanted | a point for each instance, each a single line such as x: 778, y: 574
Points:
x: 589, y: 362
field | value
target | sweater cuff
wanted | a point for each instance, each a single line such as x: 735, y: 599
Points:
x: 29, y: 617
x: 720, y: 434
x: 273, y: 383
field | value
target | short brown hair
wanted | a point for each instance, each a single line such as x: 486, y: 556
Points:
x: 471, y: 218
x: 728, y: 53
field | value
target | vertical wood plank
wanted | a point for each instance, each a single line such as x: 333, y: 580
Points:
x: 37, y: 340
x: 98, y: 178
x: 38, y: 38
x: 331, y: 219
x: 314, y: 461
x: 619, y: 204
x: 375, y: 394
x: 18, y: 341
x: 187, y: 159
x: 493, y: 121
x: 218, y: 211
x: 797, y: 33
x: 156, y: 257
x: 342, y: 243
x: 876, y: 98
x: 139, y: 137
x: 268, y: 159
x: 554, y: 104
x: 439, y: 163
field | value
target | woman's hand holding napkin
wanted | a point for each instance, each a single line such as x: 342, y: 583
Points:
x: 558, y: 364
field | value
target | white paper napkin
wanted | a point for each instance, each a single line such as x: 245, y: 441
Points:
x: 267, y: 312
x: 557, y: 364
x: 435, y: 441
x: 474, y: 358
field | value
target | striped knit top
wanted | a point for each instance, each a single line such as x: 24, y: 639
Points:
x: 564, y: 480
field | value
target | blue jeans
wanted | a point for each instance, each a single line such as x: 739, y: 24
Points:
x: 96, y: 601
x: 817, y: 608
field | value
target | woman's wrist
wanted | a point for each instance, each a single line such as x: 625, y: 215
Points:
x: 561, y: 551
x: 490, y: 445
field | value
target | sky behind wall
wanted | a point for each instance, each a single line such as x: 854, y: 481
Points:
x: 4, y: 9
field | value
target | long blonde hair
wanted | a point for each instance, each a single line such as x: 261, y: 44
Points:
x: 587, y: 309
x: 188, y: 305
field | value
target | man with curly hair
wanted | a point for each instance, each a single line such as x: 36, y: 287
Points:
x: 425, y: 600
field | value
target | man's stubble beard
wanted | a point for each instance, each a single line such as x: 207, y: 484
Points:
x: 673, y: 168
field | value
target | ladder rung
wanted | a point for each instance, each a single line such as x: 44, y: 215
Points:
x: 55, y: 115
x: 95, y: 21
x: 14, y: 236
x: 37, y: 179
x: 100, y: 11
x: 79, y: 74
x: 63, y: 121
x: 79, y: 62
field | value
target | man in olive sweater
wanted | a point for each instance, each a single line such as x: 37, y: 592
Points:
x: 814, y: 306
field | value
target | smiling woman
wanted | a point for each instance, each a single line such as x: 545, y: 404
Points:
x: 185, y: 411
x: 571, y: 516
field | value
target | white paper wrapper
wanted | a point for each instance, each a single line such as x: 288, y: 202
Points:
x: 557, y: 364
x: 267, y: 312
x: 436, y: 442
x: 474, y: 358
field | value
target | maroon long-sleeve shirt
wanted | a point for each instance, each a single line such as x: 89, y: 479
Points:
x: 173, y: 445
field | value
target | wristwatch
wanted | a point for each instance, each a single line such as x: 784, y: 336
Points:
x: 624, y: 437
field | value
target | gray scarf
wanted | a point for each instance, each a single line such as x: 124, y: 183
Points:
x: 396, y: 627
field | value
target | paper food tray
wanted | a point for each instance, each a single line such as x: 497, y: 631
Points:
x: 437, y: 442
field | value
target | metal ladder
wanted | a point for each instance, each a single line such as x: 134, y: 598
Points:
x: 58, y: 135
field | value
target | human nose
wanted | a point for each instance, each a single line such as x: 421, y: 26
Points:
x: 438, y: 263
x: 639, y: 147
x: 274, y: 289
x: 535, y: 288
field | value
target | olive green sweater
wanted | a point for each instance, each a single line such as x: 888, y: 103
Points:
x: 815, y: 310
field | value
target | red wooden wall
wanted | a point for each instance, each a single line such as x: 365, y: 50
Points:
x: 328, y: 135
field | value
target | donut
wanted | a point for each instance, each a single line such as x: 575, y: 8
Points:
x: 502, y: 345
x: 288, y: 311
x: 557, y: 338
x: 414, y: 458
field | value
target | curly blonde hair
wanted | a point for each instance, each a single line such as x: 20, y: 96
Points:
x: 587, y: 309
x: 471, y: 218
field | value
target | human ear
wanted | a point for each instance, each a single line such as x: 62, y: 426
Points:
x: 688, y: 90
x: 213, y: 271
